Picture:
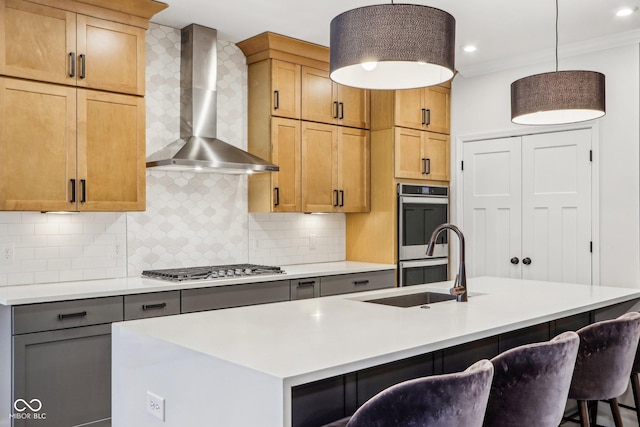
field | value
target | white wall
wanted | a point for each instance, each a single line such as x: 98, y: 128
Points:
x: 481, y: 105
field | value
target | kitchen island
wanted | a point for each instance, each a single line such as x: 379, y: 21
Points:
x: 245, y: 366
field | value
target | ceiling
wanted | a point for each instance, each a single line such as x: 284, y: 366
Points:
x: 507, y: 33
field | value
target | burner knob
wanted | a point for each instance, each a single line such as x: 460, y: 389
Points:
x: 214, y: 274
x: 247, y: 271
x: 221, y: 273
x: 239, y: 272
x: 229, y: 272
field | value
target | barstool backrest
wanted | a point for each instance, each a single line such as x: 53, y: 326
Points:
x: 531, y: 383
x: 605, y: 358
x: 457, y: 399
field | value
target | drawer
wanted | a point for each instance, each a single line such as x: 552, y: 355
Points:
x: 305, y: 288
x: 234, y: 295
x: 358, y: 282
x: 66, y: 314
x: 142, y: 306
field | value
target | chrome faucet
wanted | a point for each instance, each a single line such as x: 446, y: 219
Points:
x: 460, y: 285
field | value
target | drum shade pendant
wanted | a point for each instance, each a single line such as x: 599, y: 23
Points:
x: 558, y: 97
x: 392, y: 46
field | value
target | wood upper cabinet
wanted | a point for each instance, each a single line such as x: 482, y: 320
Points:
x: 423, y: 108
x: 278, y: 191
x: 65, y: 149
x: 421, y: 155
x: 43, y: 43
x: 327, y: 102
x: 335, y: 169
x: 285, y: 89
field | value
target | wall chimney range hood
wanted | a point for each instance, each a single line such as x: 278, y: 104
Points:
x: 198, y: 149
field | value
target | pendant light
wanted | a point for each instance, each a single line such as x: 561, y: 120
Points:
x: 558, y: 97
x: 392, y: 46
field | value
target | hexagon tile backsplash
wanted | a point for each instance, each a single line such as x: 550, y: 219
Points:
x: 191, y: 219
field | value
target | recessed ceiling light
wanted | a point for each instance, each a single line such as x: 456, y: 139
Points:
x: 470, y: 48
x: 626, y: 11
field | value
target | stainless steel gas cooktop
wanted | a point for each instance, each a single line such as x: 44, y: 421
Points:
x: 211, y: 272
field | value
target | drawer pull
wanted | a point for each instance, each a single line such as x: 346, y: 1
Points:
x: 159, y: 306
x: 305, y: 284
x: 360, y: 282
x: 72, y: 315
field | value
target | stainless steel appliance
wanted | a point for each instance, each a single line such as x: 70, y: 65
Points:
x: 421, y: 209
x: 212, y: 272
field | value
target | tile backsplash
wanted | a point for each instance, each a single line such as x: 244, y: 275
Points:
x: 191, y: 219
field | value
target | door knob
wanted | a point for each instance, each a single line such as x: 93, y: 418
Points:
x: 515, y: 260
x: 526, y: 261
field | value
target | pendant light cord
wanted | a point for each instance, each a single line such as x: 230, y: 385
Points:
x: 556, y: 35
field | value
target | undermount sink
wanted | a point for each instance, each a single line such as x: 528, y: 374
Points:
x: 413, y: 300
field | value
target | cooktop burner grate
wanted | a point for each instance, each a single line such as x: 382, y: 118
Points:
x: 211, y: 272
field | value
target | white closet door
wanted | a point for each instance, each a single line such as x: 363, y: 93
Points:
x: 492, y: 207
x: 556, y: 206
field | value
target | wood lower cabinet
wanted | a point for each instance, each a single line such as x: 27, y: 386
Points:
x: 335, y: 168
x: 325, y: 101
x: 66, y: 149
x: 421, y: 155
x: 49, y: 44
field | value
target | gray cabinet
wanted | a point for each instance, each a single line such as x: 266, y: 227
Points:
x: 234, y: 295
x: 142, y: 306
x: 62, y: 357
x: 305, y: 288
x: 357, y: 282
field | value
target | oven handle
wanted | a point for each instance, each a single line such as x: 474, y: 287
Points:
x: 427, y: 200
x: 423, y: 263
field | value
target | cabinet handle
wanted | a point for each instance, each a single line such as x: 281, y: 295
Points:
x: 342, y: 110
x: 335, y: 193
x: 82, y: 66
x: 72, y: 64
x: 306, y: 284
x: 424, y: 166
x: 158, y: 306
x: 428, y: 166
x: 424, y: 119
x: 276, y: 190
x: 341, y: 198
x: 514, y: 260
x: 83, y: 184
x: 72, y: 315
x: 276, y: 99
x: 336, y: 109
x: 526, y: 261
x: 73, y: 191
x: 427, y: 120
x: 360, y: 282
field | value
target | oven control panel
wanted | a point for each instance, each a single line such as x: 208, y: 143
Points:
x: 422, y: 190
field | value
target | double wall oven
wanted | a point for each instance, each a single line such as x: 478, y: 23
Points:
x: 421, y: 209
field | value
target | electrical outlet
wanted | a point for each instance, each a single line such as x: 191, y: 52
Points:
x: 7, y: 253
x: 155, y: 405
x: 312, y: 242
x: 116, y: 250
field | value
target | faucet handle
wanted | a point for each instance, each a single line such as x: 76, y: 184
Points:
x: 457, y: 290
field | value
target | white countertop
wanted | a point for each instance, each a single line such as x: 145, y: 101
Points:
x: 307, y: 340
x: 48, y: 292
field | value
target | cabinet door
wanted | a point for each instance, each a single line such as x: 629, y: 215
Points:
x: 111, y: 151
x: 36, y: 42
x: 285, y: 86
x: 408, y: 108
x: 305, y: 288
x: 285, y: 141
x: 318, y: 104
x: 319, y: 171
x: 436, y: 103
x: 436, y: 153
x: 37, y: 146
x: 353, y: 106
x: 69, y: 371
x: 408, y: 154
x: 111, y: 56
x: 354, y: 170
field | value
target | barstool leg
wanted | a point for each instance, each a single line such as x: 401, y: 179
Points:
x: 615, y: 410
x: 584, y: 414
x: 593, y: 412
x: 635, y: 386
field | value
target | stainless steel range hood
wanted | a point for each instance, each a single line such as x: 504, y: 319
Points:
x: 198, y: 148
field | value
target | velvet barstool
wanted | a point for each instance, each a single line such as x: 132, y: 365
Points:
x: 531, y: 383
x: 457, y: 399
x: 603, y: 366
